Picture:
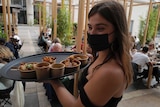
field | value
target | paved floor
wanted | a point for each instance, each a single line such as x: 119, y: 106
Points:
x: 137, y: 95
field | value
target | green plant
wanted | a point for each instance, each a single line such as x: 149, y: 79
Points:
x: 36, y: 21
x: 2, y: 34
x: 64, y: 26
x: 151, y: 26
x: 141, y: 29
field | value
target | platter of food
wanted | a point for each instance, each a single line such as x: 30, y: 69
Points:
x: 46, y: 66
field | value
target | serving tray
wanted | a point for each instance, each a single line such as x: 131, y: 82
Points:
x: 10, y: 70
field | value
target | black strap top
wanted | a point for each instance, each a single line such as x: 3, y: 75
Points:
x: 84, y: 98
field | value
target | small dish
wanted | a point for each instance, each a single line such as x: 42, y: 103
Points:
x: 49, y: 59
x: 27, y: 70
x: 57, y: 70
x: 42, y: 70
x: 71, y: 65
x: 81, y: 57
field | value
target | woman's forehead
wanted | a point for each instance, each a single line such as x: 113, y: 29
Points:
x: 97, y: 19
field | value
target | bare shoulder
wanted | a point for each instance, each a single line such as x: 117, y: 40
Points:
x: 111, y: 69
x: 112, y: 75
x: 106, y: 82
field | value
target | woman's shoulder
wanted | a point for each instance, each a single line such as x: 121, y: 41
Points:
x: 111, y: 71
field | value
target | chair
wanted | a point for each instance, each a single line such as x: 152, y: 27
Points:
x: 137, y: 75
x: 5, y: 96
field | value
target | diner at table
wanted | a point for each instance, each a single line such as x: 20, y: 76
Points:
x: 143, y: 62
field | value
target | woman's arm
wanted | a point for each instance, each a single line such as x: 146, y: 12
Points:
x: 64, y: 96
x: 104, y: 84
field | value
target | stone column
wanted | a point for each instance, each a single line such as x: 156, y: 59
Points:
x: 30, y: 13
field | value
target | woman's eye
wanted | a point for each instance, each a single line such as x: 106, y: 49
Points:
x: 100, y: 29
x: 89, y: 28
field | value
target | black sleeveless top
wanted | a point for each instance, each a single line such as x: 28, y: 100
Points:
x: 84, y: 98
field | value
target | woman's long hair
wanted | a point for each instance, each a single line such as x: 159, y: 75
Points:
x: 114, y: 12
x: 5, y: 54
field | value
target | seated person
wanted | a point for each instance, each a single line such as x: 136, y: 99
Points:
x: 152, y: 52
x: 19, y: 42
x: 55, y: 46
x: 142, y: 60
x: 5, y: 56
x: 41, y: 40
x: 12, y: 45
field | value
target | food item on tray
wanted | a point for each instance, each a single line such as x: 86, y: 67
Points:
x: 42, y: 70
x: 27, y: 70
x: 50, y: 59
x: 81, y: 57
x: 27, y: 66
x: 57, y: 69
x: 69, y: 62
x: 71, y: 65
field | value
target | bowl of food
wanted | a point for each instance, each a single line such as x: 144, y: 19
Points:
x: 27, y: 70
x: 42, y: 70
x: 71, y: 65
x: 49, y: 59
x: 81, y: 57
x: 57, y: 69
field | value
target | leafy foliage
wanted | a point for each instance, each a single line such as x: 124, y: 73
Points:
x: 2, y: 34
x: 151, y: 26
x: 141, y: 29
x: 64, y: 26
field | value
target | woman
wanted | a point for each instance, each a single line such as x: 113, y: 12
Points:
x: 5, y: 56
x: 103, y: 83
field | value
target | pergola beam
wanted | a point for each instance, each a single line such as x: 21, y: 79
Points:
x: 4, y: 17
x: 9, y: 22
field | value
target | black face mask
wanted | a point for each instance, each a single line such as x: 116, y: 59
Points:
x: 98, y: 42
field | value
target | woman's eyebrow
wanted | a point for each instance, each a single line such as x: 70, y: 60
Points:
x: 99, y: 24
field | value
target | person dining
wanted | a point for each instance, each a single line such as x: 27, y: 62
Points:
x: 110, y: 73
x: 5, y: 56
x: 56, y: 46
x: 152, y: 51
x: 143, y: 61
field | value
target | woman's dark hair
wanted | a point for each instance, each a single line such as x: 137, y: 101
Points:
x: 114, y: 12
